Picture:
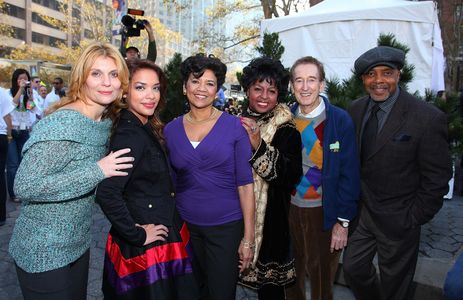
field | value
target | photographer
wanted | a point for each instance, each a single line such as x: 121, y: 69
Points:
x: 22, y: 117
x: 132, y: 52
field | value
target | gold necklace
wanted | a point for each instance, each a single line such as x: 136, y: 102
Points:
x: 193, y: 121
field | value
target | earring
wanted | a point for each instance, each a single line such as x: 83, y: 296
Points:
x: 184, y: 92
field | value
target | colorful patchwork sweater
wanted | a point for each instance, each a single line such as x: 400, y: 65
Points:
x: 340, y: 178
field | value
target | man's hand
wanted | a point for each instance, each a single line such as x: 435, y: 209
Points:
x: 338, y: 237
x: 149, y: 30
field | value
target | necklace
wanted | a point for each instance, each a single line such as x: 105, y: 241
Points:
x: 211, y: 117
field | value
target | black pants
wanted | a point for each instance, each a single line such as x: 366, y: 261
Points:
x: 396, y: 260
x: 3, y: 154
x: 271, y: 292
x: 66, y: 283
x: 216, y: 258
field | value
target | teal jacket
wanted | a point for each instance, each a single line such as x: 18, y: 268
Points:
x: 55, y: 182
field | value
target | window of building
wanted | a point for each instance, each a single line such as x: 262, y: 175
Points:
x: 14, y: 11
x: 38, y: 38
x: 19, y: 33
x: 88, y: 34
x: 53, y: 4
x: 54, y: 42
x: 36, y: 18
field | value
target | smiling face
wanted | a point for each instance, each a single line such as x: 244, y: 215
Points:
x: 43, y: 91
x: 102, y: 85
x: 201, y: 91
x: 381, y: 82
x: 263, y: 96
x: 144, y: 94
x: 307, y: 86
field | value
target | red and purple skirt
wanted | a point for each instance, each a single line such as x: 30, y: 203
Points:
x: 160, y: 270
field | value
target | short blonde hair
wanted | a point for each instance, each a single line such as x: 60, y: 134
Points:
x: 81, y: 71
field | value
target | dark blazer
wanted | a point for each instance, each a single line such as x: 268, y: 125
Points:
x: 404, y: 179
x: 146, y: 195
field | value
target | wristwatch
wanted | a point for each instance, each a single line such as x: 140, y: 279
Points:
x: 344, y: 224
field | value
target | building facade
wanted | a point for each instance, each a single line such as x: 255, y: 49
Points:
x: 30, y: 23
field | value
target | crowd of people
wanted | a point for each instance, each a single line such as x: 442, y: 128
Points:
x: 267, y: 199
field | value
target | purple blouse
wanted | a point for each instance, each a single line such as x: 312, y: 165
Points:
x: 208, y: 177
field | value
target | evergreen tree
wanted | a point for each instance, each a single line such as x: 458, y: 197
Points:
x: 451, y: 106
x: 341, y: 93
x: 271, y: 46
x: 175, y: 100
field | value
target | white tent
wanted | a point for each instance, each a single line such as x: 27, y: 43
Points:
x: 338, y: 31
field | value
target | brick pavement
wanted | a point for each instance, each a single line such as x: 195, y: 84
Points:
x: 441, y: 242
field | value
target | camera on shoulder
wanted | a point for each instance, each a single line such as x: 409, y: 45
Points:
x: 132, y: 26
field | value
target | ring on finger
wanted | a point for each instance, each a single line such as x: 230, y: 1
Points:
x: 253, y: 129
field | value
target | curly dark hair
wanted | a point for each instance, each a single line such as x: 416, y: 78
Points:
x: 199, y: 63
x: 265, y: 68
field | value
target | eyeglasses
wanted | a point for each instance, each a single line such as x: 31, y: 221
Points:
x: 56, y: 82
x: 36, y: 81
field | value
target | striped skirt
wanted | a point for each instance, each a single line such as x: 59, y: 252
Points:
x: 160, y: 270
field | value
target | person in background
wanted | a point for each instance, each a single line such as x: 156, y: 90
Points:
x: 62, y: 164
x: 53, y: 96
x: 42, y: 95
x: 6, y: 107
x: 35, y: 83
x: 220, y: 99
x: 209, y: 152
x: 22, y: 118
x: 405, y: 170
x: 277, y: 166
x: 325, y: 199
x: 131, y: 53
x: 146, y: 227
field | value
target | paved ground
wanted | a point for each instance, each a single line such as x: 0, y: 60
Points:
x: 442, y: 241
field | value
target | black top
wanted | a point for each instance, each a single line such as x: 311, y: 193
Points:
x: 146, y: 195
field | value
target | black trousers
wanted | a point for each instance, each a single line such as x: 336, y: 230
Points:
x: 66, y: 283
x: 3, y: 154
x: 215, y: 264
x: 396, y: 261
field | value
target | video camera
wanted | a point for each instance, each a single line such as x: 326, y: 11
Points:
x: 132, y: 26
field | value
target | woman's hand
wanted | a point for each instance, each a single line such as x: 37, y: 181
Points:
x: 154, y: 233
x: 246, y: 253
x: 113, y: 163
x: 253, y: 131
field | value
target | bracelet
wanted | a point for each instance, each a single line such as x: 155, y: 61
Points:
x: 247, y: 244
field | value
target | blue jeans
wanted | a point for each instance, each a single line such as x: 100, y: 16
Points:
x: 14, y: 157
x: 3, y: 154
x: 453, y: 286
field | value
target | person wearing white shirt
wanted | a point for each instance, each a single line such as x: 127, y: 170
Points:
x: 41, y: 96
x: 22, y: 118
x: 53, y: 96
x: 6, y: 106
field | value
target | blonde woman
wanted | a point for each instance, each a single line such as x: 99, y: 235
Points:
x: 62, y: 163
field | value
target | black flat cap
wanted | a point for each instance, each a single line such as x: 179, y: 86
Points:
x: 379, y: 56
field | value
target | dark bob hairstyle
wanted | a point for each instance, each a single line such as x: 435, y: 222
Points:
x: 199, y: 63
